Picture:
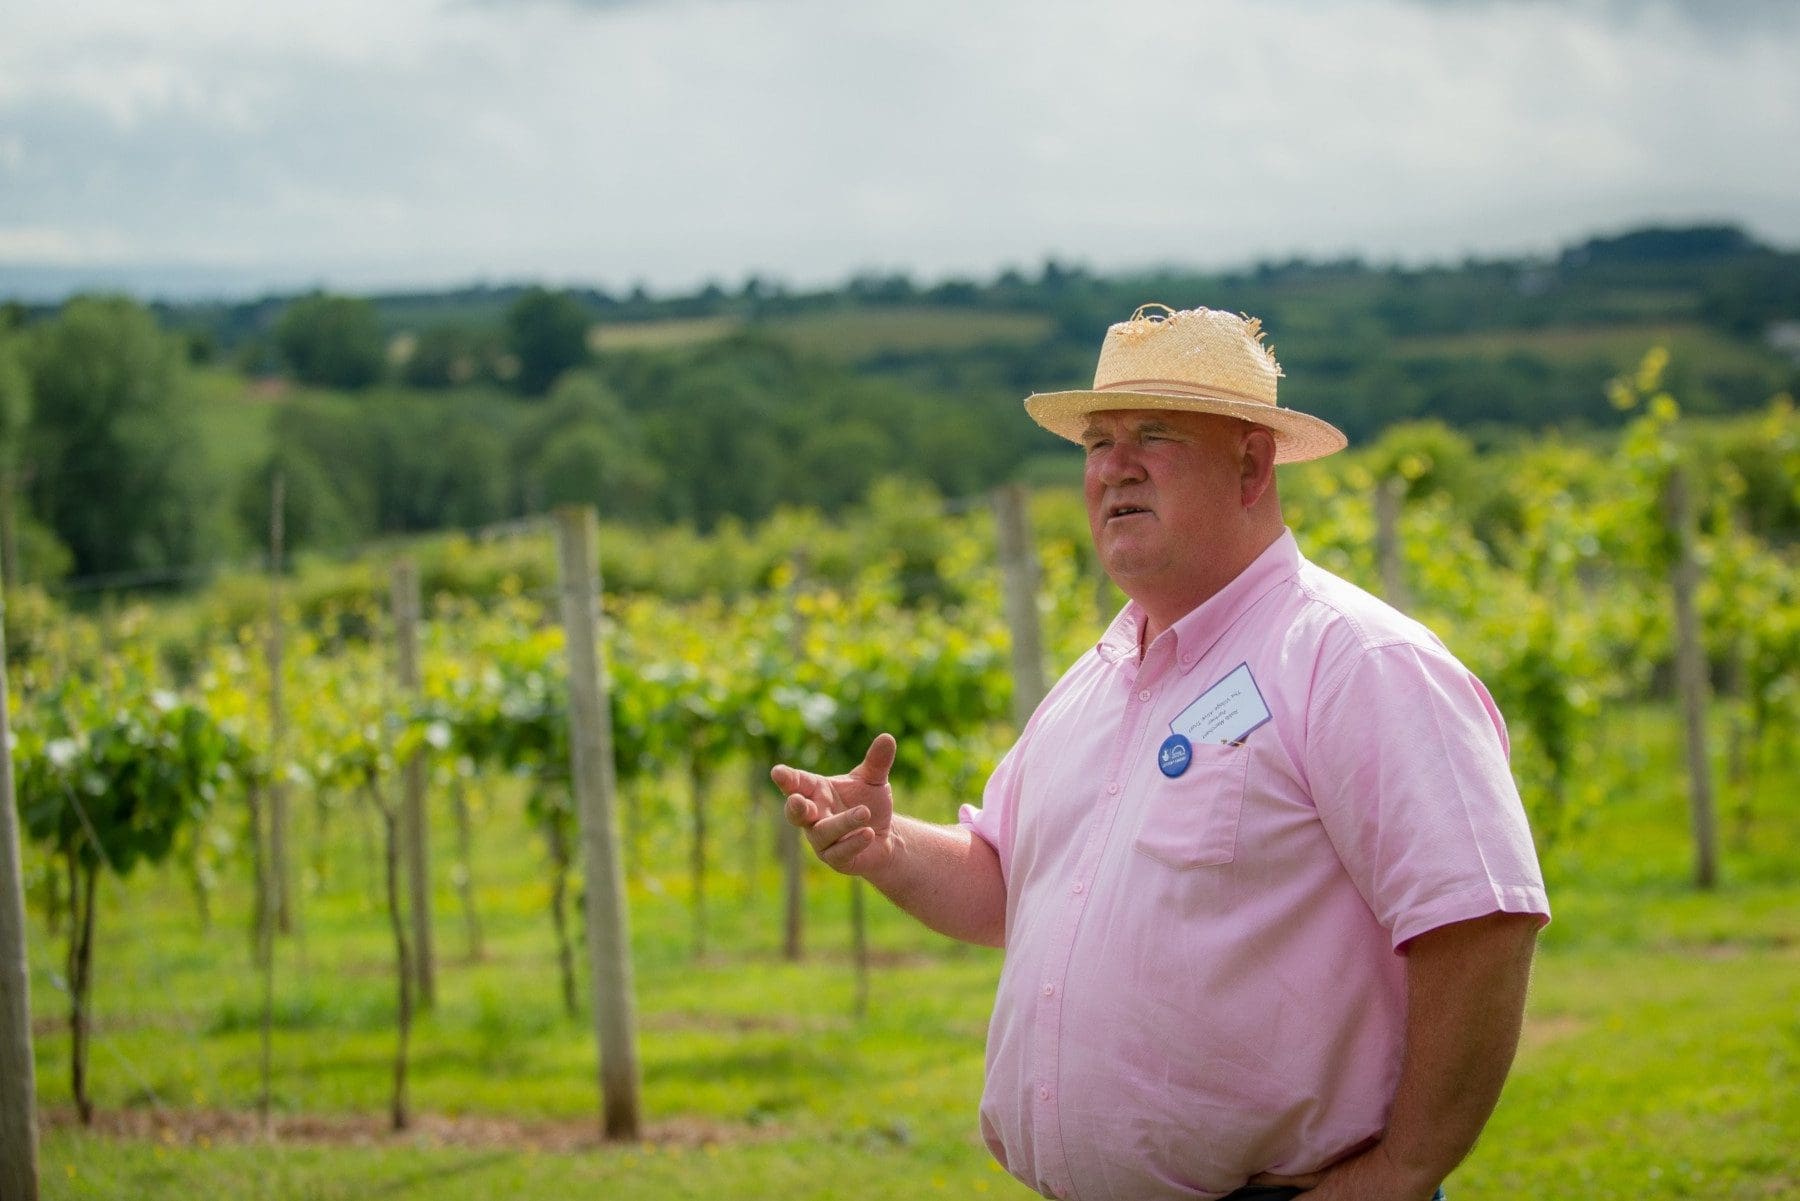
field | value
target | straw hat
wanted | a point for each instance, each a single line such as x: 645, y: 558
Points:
x: 1196, y: 361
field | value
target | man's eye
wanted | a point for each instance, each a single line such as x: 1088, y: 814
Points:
x: 1092, y: 447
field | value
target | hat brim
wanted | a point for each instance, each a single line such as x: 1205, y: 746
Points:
x: 1298, y: 436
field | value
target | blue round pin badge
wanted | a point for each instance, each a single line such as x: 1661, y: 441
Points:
x: 1176, y: 753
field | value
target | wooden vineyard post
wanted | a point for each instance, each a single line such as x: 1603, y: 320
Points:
x: 265, y: 960
x: 399, y: 1108
x: 1105, y: 606
x: 859, y: 943
x: 757, y: 777
x: 793, y: 859
x: 1691, y: 673
x: 281, y: 878
x: 272, y: 880
x: 793, y: 880
x: 697, y: 780
x: 18, y: 1071
x: 1389, y: 494
x: 465, y: 866
x: 414, y: 832
x: 1019, y: 569
x: 591, y: 752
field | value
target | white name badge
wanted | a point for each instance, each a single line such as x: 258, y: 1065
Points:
x: 1226, y: 712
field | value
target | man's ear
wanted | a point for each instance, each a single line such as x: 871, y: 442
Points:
x: 1256, y: 464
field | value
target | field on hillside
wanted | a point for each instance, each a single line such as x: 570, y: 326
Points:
x: 856, y: 335
x: 666, y: 334
x: 235, y: 413
x: 1661, y: 1055
x: 1618, y: 346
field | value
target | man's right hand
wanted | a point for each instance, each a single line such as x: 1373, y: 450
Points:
x: 848, y: 819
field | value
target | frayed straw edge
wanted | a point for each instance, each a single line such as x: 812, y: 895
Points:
x: 1141, y: 325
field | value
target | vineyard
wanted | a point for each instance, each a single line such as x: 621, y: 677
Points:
x: 304, y: 854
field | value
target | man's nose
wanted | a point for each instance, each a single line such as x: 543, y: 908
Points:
x: 1120, y: 463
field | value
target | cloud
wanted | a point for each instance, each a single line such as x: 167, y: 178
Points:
x: 676, y: 140
x: 1737, y: 15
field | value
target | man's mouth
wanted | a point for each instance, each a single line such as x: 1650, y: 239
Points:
x: 1125, y: 511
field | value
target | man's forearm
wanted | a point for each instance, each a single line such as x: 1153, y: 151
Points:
x: 947, y: 878
x: 1465, y: 993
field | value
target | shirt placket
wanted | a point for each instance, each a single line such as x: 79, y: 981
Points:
x: 1047, y: 1026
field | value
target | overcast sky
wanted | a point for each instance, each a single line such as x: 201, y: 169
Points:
x: 215, y: 144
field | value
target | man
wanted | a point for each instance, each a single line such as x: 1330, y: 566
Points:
x: 1267, y: 893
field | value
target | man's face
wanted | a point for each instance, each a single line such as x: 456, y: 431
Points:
x: 1162, y: 488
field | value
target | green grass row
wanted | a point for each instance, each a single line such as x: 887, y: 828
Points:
x: 1661, y: 1058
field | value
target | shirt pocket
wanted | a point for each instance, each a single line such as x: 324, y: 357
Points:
x: 1192, y: 819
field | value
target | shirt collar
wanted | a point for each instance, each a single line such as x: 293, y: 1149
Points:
x: 1202, y: 627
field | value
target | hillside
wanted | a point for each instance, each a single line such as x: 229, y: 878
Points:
x: 425, y: 411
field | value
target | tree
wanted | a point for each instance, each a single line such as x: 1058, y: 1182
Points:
x: 116, y: 463
x: 548, y: 333
x: 107, y: 782
x: 315, y: 510
x: 15, y: 419
x: 332, y: 341
x: 593, y: 465
x: 391, y: 461
x: 838, y: 461
x: 582, y: 447
x: 446, y: 356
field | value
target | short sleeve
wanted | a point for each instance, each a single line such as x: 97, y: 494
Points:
x: 994, y: 821
x: 1407, y: 762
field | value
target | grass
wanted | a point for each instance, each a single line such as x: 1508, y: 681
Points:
x: 1621, y: 346
x: 667, y: 334
x: 234, y: 422
x: 1661, y: 1058
x: 848, y: 336
x: 856, y: 335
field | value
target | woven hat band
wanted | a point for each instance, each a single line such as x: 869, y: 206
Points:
x: 1164, y: 387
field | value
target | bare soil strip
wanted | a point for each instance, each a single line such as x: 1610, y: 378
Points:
x: 210, y: 1127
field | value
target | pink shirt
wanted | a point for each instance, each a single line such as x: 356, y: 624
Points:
x: 1202, y: 978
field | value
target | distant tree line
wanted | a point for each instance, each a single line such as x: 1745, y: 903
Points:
x: 108, y: 474
x: 738, y: 429
x: 103, y: 467
x: 338, y: 342
x: 1717, y: 274
x: 410, y: 412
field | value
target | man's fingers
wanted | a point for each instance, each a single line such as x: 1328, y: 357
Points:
x: 878, y: 762
x: 841, y: 855
x: 792, y: 779
x: 829, y: 829
x: 815, y: 788
x: 799, y: 811
x: 836, y: 838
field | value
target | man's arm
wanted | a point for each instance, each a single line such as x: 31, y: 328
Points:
x: 948, y: 878
x: 945, y: 876
x: 1465, y: 1003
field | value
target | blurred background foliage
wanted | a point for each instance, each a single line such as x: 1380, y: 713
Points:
x: 138, y: 443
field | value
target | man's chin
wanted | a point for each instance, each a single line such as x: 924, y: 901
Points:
x: 1125, y: 565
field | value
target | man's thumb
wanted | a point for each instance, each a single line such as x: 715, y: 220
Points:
x: 879, y: 761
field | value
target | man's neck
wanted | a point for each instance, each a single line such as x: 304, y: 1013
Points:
x: 1163, y: 610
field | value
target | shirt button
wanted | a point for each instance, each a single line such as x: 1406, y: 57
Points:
x: 1049, y: 990
x: 1144, y: 695
x: 1077, y: 889
x: 1043, y: 1093
x: 1113, y: 789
